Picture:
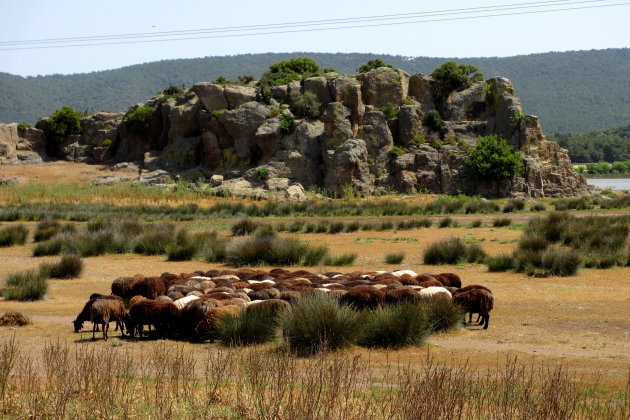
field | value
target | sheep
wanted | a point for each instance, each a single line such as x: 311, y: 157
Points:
x: 191, y: 315
x: 429, y: 283
x: 158, y: 314
x: 472, y: 287
x: 208, y: 327
x: 105, y: 310
x: 476, y: 301
x: 393, y: 296
x: 273, y: 306
x: 434, y: 292
x: 180, y: 303
x: 163, y: 299
x: 149, y: 287
x: 122, y: 286
x: 363, y: 297
x: 449, y: 279
x: 84, y: 315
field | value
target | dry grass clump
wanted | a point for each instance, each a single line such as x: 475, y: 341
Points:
x: 13, y: 235
x: 453, y: 251
x: 14, y: 319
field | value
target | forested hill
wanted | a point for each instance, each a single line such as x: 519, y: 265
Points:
x: 569, y: 91
x: 611, y: 145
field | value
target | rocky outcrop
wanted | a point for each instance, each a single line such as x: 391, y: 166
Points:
x: 372, y: 134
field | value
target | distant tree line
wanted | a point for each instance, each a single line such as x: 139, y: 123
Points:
x: 612, y: 145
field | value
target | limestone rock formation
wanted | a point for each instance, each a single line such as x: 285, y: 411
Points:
x: 227, y: 142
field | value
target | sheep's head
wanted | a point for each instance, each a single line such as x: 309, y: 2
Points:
x: 130, y: 326
x: 77, y: 325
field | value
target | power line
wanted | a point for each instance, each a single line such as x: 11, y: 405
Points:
x: 480, y: 9
x: 238, y: 35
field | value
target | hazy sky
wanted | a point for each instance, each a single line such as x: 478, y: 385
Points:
x: 593, y: 28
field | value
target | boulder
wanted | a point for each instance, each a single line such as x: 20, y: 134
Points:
x: 107, y: 180
x: 216, y: 180
x: 239, y: 187
x: 239, y: 95
x: 347, y: 166
x: 267, y: 138
x: 347, y: 90
x: 384, y: 85
x: 154, y: 178
x: 99, y: 127
x: 318, y: 86
x: 241, y: 124
x: 182, y: 121
x: 211, y: 152
x: 420, y: 90
x: 377, y: 136
x: 211, y: 96
x: 9, y: 139
x: 183, y: 154
x: 337, y: 125
x: 410, y: 123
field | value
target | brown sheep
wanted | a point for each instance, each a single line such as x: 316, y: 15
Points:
x: 472, y: 287
x: 84, y: 315
x: 477, y: 301
x: 363, y: 297
x: 209, y: 326
x: 149, y: 287
x: 122, y: 286
x: 449, y: 279
x: 273, y: 306
x: 105, y: 310
x: 429, y: 283
x: 394, y: 296
x: 193, y: 314
x: 149, y: 312
x: 290, y: 296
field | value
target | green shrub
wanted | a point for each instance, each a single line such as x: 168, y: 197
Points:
x: 270, y: 250
x: 13, y: 235
x: 373, y: 64
x: 153, y: 243
x: 453, y: 251
x: 450, y: 77
x: 501, y: 262
x: 274, y: 113
x: 390, y: 111
x: 417, y: 140
x: 137, y: 121
x: 532, y: 242
x: 445, y: 222
x: 476, y: 223
x: 395, y: 326
x: 173, y: 90
x: 538, y: 206
x: 433, y: 120
x: 222, y: 80
x: 442, y: 315
x: 262, y: 173
x: 409, y: 101
x: 513, y: 205
x: 561, y: 262
x: 243, y: 227
x: 305, y: 104
x: 397, y: 151
x: 184, y: 251
x: 53, y: 246
x: 329, y: 70
x: 299, y: 65
x: 341, y: 260
x: 29, y: 285
x: 106, y: 143
x: 335, y: 227
x: 287, y: 124
x: 218, y: 112
x: 64, y: 122
x: 501, y: 222
x: 250, y: 326
x: 314, y: 255
x: 394, y: 258
x: 494, y: 158
x: 318, y: 323
x: 215, y: 249
x: 23, y: 126
x: 92, y: 245
x: 245, y: 79
x: 70, y: 267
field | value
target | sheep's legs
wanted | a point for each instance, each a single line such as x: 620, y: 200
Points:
x: 486, y: 320
x: 94, y: 326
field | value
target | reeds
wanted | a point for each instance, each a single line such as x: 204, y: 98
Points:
x: 453, y: 251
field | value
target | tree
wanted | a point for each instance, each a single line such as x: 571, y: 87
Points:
x: 494, y: 158
x: 450, y: 77
x: 63, y: 122
x: 374, y: 64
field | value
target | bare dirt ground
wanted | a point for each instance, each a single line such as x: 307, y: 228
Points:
x: 57, y: 172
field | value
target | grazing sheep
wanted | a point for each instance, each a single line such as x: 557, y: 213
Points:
x: 149, y: 287
x: 193, y: 314
x: 473, y: 287
x: 208, y: 327
x: 477, y: 301
x: 434, y: 292
x: 149, y: 312
x: 407, y: 295
x: 180, y: 303
x: 429, y: 283
x: 122, y: 286
x: 84, y: 315
x: 363, y: 297
x: 105, y: 310
x: 163, y: 299
x: 95, y: 295
x: 449, y: 279
x: 273, y: 306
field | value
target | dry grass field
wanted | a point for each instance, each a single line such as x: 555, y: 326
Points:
x: 580, y: 322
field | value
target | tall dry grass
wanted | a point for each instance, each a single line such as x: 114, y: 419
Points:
x: 170, y: 381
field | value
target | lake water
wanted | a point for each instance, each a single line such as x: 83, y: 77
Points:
x: 612, y: 183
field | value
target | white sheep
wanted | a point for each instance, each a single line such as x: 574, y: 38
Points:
x: 433, y: 292
x: 180, y: 303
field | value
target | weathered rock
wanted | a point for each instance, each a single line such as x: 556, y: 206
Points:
x: 216, y: 180
x: 196, y: 174
x: 410, y: 123
x: 10, y: 181
x: 337, y: 126
x: 100, y: 127
x: 420, y: 90
x: 154, y: 177
x: 242, y: 124
x: 211, y: 96
x: 107, y: 180
x: 239, y: 187
x: 295, y: 192
x: 319, y: 86
x: 239, y: 95
x: 183, y: 154
x: 183, y: 121
x: 377, y: 136
x: 267, y: 138
x: 347, y: 166
x: 212, y: 156
x: 9, y: 139
x: 384, y: 85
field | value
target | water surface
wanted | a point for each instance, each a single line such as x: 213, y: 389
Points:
x: 612, y: 183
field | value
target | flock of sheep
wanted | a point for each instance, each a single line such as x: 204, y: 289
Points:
x: 189, y: 305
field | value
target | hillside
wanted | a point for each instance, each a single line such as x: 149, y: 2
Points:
x: 569, y: 91
x: 610, y: 145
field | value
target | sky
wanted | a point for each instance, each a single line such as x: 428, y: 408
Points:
x: 457, y: 34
